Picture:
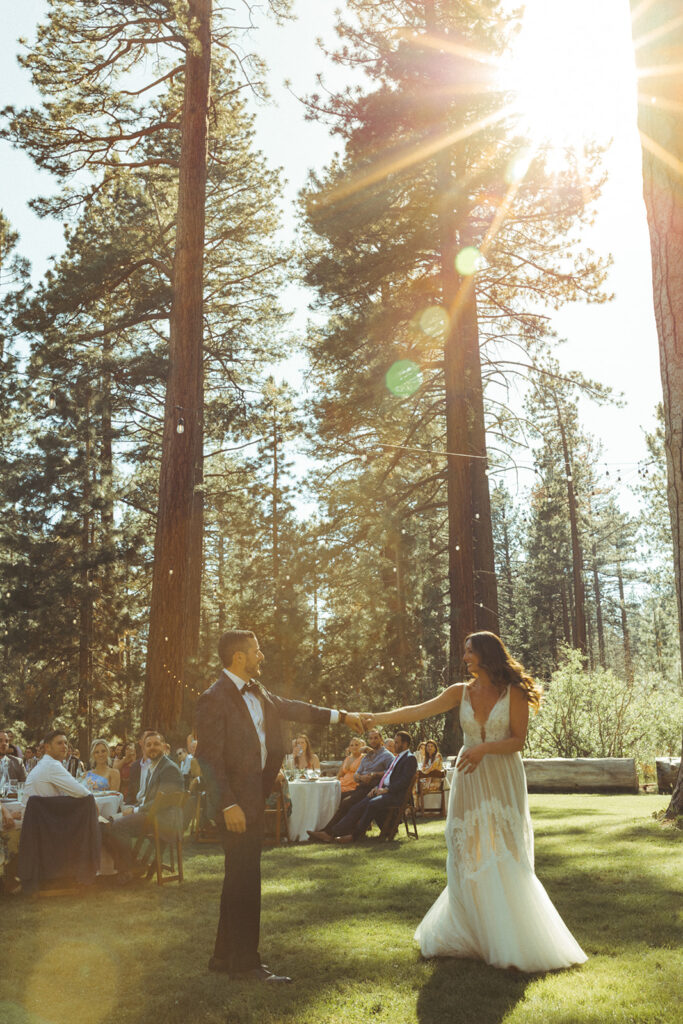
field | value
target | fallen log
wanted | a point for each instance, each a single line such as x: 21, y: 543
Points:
x: 581, y: 775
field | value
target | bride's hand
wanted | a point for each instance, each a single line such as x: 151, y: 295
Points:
x: 368, y: 720
x: 470, y: 758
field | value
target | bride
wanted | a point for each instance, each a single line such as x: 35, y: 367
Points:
x: 493, y: 908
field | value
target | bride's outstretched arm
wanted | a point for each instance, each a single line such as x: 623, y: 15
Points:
x: 446, y: 700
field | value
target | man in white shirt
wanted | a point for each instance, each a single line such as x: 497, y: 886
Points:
x: 50, y: 777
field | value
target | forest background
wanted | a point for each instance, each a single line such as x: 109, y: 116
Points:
x: 329, y: 524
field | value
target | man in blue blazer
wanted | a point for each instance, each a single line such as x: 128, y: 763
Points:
x: 240, y: 748
x: 389, y: 793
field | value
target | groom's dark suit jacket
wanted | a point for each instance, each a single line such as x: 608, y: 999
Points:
x: 229, y: 751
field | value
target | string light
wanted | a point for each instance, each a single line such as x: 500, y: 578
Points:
x: 52, y: 401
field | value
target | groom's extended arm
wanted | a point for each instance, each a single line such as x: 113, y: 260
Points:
x: 301, y: 711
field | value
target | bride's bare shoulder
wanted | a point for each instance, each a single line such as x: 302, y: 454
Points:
x: 455, y: 693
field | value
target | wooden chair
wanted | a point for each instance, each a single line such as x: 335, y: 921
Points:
x: 421, y: 793
x: 396, y: 815
x: 162, y: 837
x: 201, y: 829
x: 280, y: 816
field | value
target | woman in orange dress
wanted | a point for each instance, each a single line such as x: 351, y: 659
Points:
x: 350, y: 766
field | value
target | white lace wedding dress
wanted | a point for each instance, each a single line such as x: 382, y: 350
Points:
x: 494, y: 908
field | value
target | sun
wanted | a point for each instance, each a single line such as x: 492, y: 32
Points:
x: 570, y: 71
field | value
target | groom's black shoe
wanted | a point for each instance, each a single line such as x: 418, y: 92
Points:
x: 262, y: 974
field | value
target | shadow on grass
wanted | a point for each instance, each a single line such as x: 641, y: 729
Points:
x: 464, y: 991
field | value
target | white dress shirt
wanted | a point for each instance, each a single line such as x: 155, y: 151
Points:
x: 145, y: 764
x: 256, y: 711
x: 50, y: 778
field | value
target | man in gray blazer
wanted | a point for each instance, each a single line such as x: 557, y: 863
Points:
x: 163, y: 777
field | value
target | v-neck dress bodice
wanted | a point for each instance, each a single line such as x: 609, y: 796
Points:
x: 494, y: 908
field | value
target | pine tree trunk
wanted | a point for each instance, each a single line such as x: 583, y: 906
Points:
x: 174, y: 578
x: 661, y: 127
x: 85, y: 632
x: 598, y: 608
x: 579, y: 617
x: 485, y: 582
x: 566, y: 628
x: 628, y: 660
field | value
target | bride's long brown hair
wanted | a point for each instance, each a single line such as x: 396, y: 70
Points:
x: 502, y: 668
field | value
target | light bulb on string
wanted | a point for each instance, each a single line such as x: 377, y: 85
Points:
x: 51, y: 401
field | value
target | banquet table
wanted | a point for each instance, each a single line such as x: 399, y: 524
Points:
x: 314, y: 801
x: 108, y: 805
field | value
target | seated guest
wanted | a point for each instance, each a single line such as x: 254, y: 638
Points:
x: 14, y: 747
x: 50, y: 777
x: 389, y: 793
x: 37, y: 756
x: 123, y: 766
x: 73, y: 763
x: 303, y: 753
x: 432, y: 763
x: 420, y: 753
x: 9, y: 846
x: 350, y: 765
x: 163, y: 776
x: 138, y: 773
x: 118, y: 753
x: 185, y: 759
x: 15, y: 767
x: 371, y: 769
x: 99, y: 776
x: 390, y: 746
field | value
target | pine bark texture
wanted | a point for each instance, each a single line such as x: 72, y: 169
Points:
x: 175, y: 569
x: 659, y: 56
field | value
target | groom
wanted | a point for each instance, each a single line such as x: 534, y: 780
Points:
x: 240, y: 750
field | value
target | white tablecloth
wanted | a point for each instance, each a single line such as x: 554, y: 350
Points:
x: 314, y: 801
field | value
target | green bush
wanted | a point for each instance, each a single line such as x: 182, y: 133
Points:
x: 597, y: 714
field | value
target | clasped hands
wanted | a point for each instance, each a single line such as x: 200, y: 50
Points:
x: 359, y: 721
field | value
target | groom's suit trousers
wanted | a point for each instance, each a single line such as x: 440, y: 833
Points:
x: 237, y: 938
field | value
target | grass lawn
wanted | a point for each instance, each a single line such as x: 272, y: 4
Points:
x: 341, y: 920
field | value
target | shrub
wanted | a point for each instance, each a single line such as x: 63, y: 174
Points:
x: 597, y: 714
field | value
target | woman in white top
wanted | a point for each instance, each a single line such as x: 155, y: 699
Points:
x: 493, y: 908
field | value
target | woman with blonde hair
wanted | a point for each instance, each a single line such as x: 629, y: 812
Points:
x: 493, y: 908
x: 100, y: 777
x: 350, y: 765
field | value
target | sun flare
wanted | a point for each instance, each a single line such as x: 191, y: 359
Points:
x: 571, y: 73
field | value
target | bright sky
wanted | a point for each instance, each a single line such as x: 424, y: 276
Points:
x: 575, y: 58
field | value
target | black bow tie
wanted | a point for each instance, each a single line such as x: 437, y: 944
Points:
x: 250, y: 687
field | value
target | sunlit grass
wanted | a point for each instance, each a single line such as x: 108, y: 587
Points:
x: 340, y: 921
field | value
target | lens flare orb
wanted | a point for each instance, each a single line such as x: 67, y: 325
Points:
x: 469, y: 260
x: 404, y: 378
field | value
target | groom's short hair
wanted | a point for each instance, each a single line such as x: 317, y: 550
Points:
x: 406, y: 738
x: 231, y: 642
